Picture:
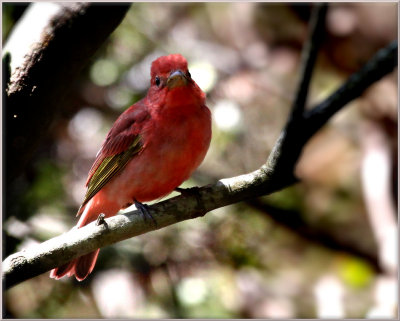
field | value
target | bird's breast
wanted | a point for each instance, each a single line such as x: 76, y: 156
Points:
x: 174, y: 145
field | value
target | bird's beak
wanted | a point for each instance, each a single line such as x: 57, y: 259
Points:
x: 176, y: 79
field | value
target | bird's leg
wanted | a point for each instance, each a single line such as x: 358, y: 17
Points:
x: 144, y: 210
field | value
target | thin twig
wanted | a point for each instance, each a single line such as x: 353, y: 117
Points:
x: 288, y: 148
x: 309, y: 57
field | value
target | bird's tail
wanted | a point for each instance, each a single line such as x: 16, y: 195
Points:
x: 82, y: 266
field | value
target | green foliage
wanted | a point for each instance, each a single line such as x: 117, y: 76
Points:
x: 48, y: 186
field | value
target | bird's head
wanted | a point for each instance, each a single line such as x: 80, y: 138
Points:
x: 170, y: 71
x: 171, y: 79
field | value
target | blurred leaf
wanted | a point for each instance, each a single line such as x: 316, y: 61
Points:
x: 356, y: 272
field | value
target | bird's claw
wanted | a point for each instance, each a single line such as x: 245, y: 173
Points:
x: 144, y: 210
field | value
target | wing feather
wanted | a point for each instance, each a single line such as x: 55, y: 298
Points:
x: 109, y: 167
x: 122, y: 143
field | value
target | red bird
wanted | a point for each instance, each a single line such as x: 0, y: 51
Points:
x: 150, y: 150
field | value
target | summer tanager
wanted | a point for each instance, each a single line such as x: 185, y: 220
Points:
x: 150, y: 150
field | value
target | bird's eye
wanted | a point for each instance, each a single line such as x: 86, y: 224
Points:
x: 158, y: 81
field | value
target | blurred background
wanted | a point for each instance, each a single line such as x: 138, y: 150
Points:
x: 326, y: 247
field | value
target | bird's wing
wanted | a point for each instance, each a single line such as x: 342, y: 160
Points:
x: 121, y: 144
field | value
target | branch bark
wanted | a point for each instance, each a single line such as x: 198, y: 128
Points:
x: 269, y: 178
x: 43, y: 64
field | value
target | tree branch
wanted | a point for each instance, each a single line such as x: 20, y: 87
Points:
x: 267, y: 179
x: 43, y: 66
x: 309, y: 57
x: 282, y: 159
x: 383, y: 63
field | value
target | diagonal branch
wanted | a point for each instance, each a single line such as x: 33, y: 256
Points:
x: 384, y: 62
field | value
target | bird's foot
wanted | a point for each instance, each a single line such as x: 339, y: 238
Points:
x: 144, y: 210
